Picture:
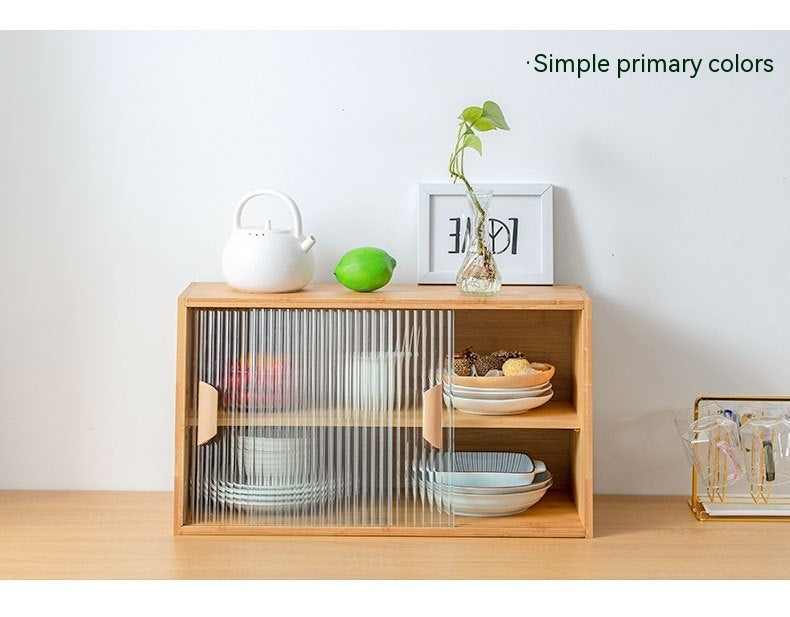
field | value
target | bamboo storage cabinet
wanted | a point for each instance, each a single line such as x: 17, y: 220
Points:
x: 549, y: 324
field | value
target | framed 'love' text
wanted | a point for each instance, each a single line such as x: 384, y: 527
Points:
x: 520, y: 225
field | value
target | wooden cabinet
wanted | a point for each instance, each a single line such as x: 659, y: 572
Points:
x: 321, y: 392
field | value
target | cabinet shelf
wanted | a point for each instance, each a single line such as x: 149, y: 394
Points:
x: 552, y: 415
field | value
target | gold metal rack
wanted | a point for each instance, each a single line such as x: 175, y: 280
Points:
x: 762, y: 494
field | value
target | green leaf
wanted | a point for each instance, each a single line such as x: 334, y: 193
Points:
x: 493, y: 114
x: 492, y: 109
x: 470, y: 114
x: 473, y: 141
x: 483, y: 124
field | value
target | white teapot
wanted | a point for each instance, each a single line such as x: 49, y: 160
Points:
x: 268, y: 259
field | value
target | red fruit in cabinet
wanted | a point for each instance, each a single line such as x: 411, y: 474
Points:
x: 262, y: 382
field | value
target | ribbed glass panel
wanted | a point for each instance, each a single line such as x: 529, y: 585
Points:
x: 320, y: 420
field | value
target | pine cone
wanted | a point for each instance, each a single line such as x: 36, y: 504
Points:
x: 506, y: 354
x: 488, y: 363
x: 462, y: 367
x: 468, y: 354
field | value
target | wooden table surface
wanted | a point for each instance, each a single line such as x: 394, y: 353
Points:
x: 127, y: 535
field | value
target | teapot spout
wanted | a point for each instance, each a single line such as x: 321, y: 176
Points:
x: 307, y: 243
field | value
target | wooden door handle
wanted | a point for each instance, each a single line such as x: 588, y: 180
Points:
x: 432, y: 416
x: 208, y: 402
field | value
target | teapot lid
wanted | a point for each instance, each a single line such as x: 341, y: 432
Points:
x: 266, y: 228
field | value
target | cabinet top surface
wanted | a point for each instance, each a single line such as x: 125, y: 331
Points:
x: 408, y: 296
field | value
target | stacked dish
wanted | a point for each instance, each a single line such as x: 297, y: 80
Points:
x: 485, y: 483
x: 273, y: 498
x: 380, y: 375
x: 497, y: 396
x: 278, y: 473
x: 270, y: 458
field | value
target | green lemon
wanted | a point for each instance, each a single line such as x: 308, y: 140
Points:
x: 365, y: 269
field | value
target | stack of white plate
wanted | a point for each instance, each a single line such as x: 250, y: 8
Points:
x: 497, y: 401
x: 273, y: 498
x: 485, y: 483
x: 278, y: 473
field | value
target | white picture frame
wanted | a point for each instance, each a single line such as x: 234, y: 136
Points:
x: 523, y: 211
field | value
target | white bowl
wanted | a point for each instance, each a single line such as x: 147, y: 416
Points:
x: 265, y: 459
x: 271, y: 444
x: 379, y: 375
x: 497, y: 408
x: 491, y: 505
x: 263, y: 472
x: 260, y: 469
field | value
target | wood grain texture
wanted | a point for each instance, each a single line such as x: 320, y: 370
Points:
x: 334, y: 295
x: 208, y: 404
x: 582, y: 442
x: 183, y: 353
x: 554, y: 414
x: 128, y: 535
x: 555, y: 516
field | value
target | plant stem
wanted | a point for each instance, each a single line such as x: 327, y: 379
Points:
x: 466, y: 138
x: 457, y: 170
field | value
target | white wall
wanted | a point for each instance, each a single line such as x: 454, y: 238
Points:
x: 122, y: 156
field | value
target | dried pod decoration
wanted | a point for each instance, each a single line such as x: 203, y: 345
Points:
x: 507, y: 354
x: 488, y: 363
x: 515, y: 366
x: 509, y: 361
x: 463, y: 362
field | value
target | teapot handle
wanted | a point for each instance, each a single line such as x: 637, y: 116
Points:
x: 297, y: 218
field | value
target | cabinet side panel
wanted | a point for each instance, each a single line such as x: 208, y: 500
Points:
x: 582, y: 440
x: 183, y: 355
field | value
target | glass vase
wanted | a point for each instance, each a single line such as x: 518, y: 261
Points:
x: 478, y: 275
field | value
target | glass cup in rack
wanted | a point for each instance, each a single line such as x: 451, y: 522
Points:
x: 712, y: 447
x: 765, y: 443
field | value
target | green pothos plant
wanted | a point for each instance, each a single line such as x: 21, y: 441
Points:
x: 474, y: 120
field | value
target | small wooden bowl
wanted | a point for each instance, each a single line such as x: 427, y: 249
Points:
x: 507, y: 381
